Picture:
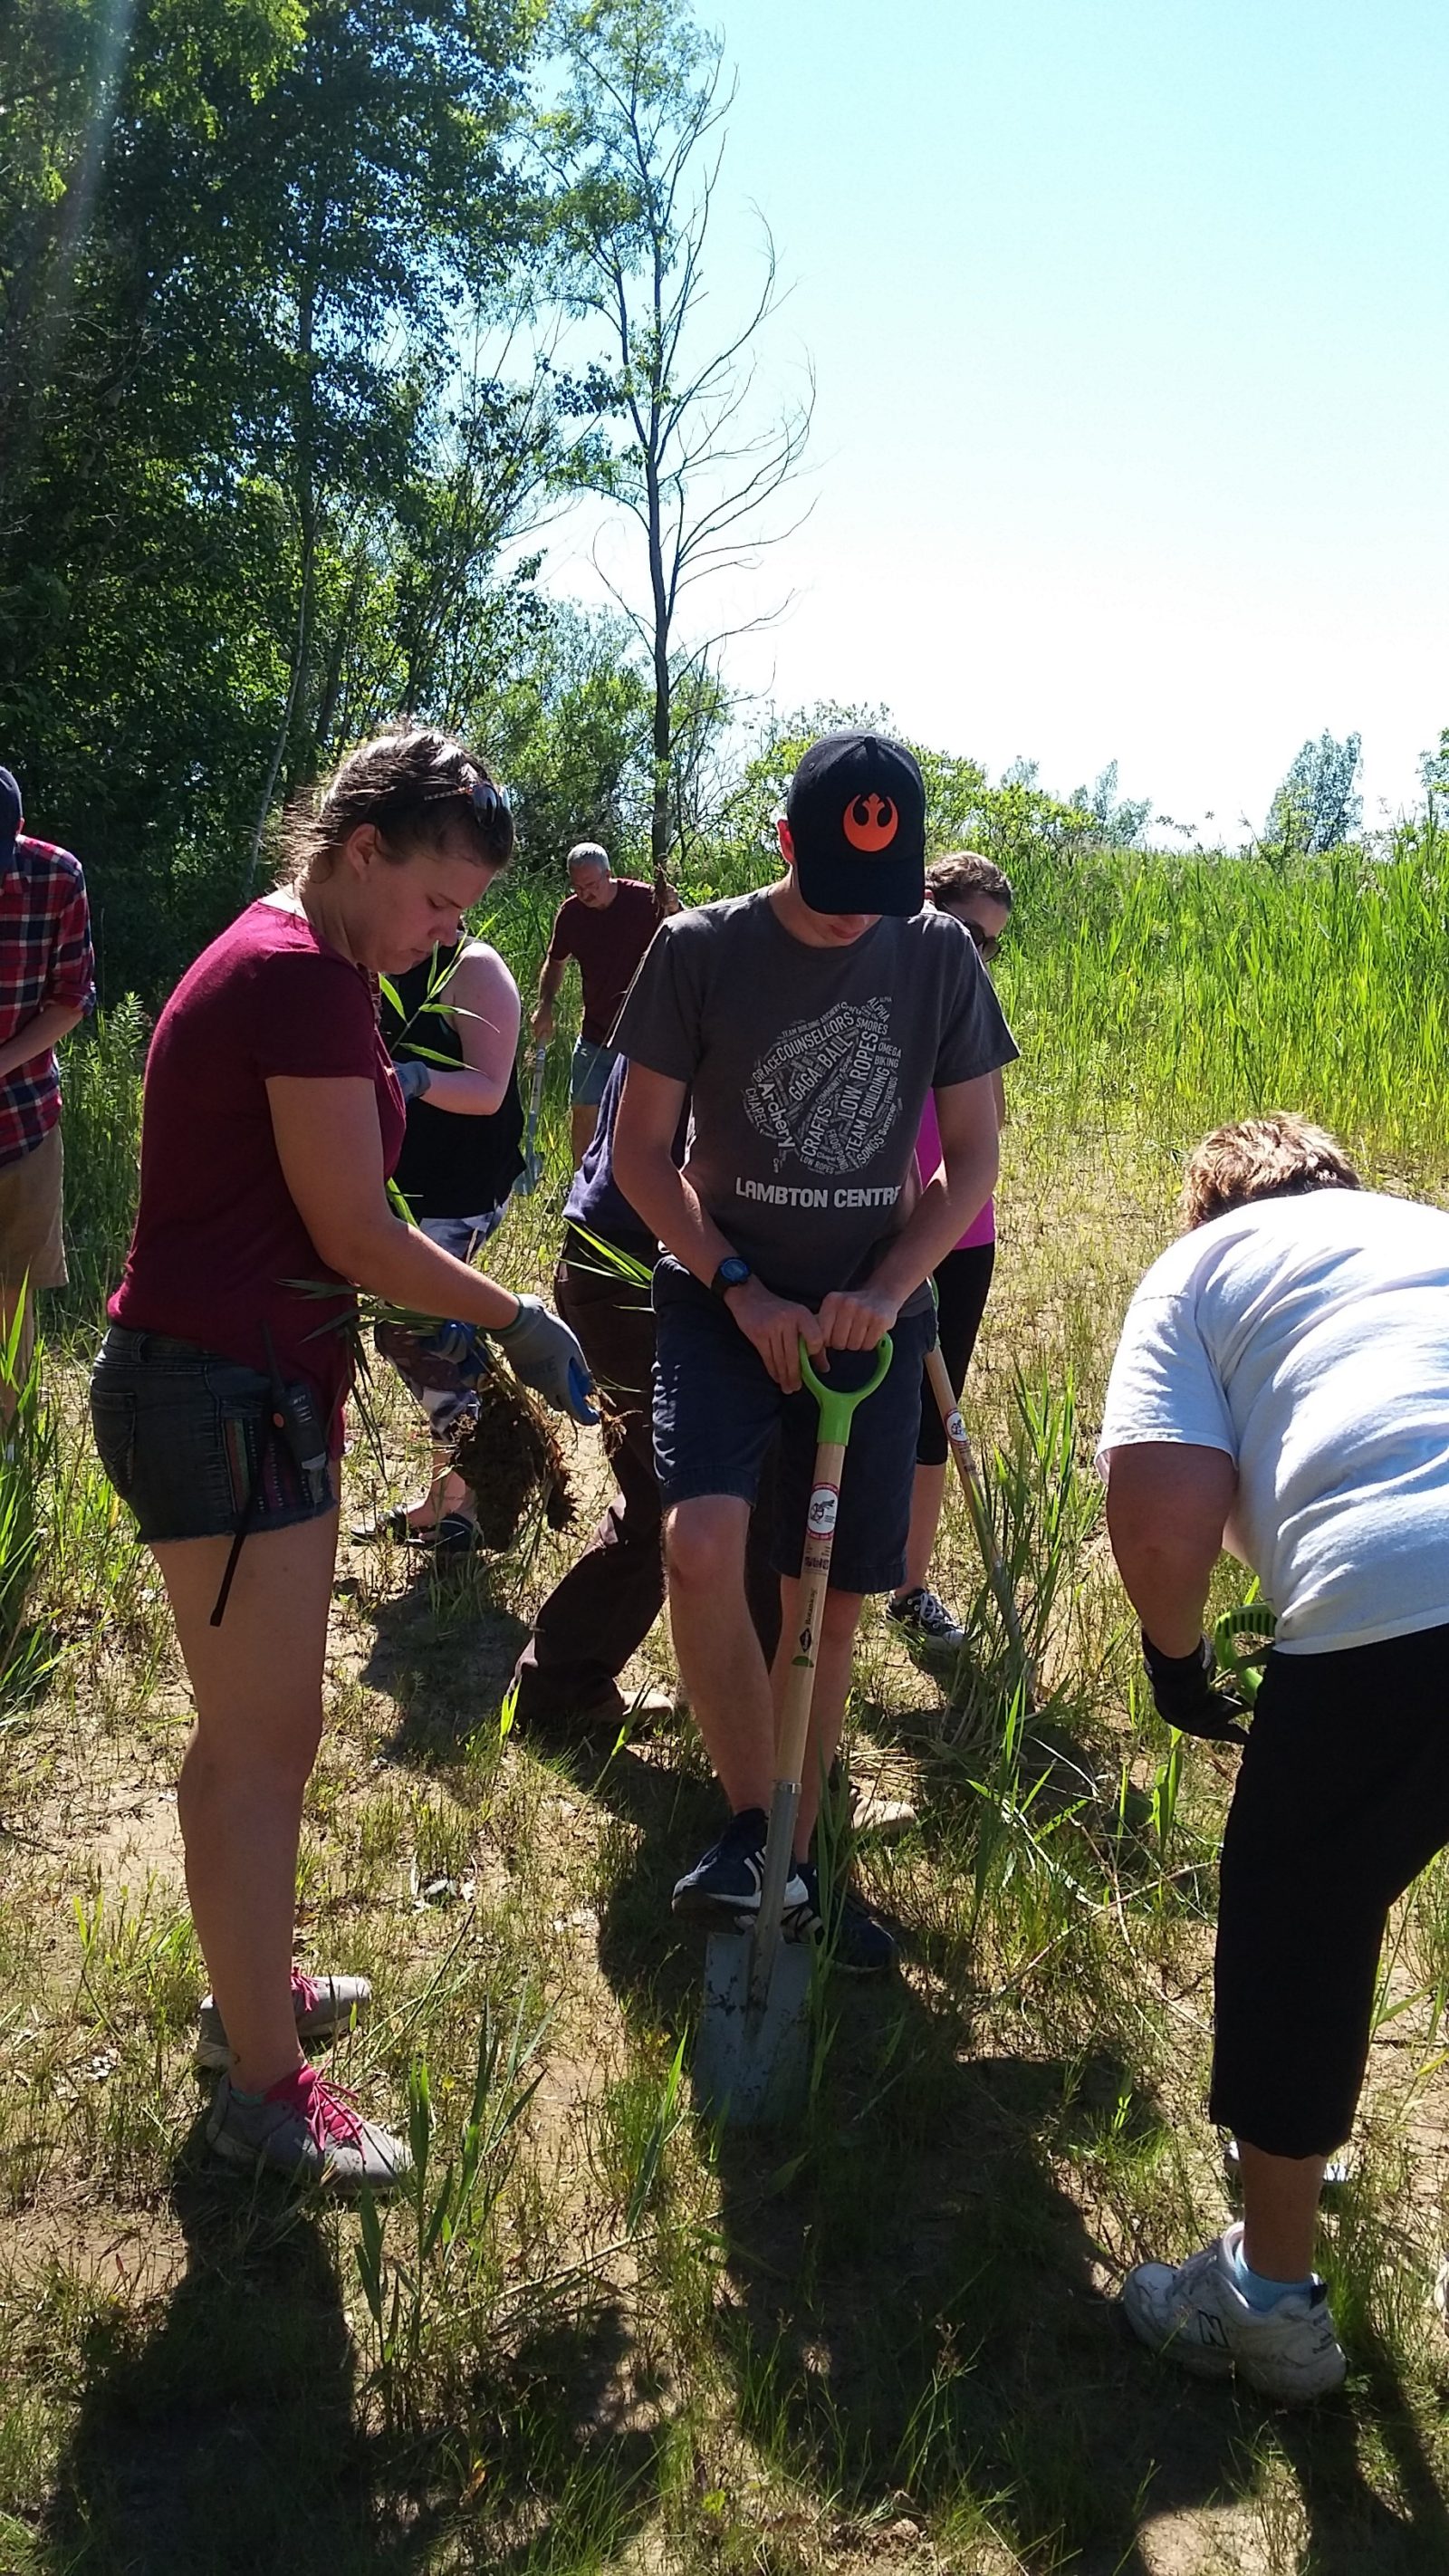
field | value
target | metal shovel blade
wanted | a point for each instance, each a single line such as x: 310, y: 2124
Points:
x: 752, y: 2062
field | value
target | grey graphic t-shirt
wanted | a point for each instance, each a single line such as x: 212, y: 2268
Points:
x: 809, y: 1068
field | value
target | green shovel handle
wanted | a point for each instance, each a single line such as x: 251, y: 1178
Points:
x: 836, y: 1408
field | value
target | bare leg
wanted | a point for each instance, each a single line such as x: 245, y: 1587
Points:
x: 584, y: 1118
x: 446, y: 1493
x: 927, y: 1495
x: 720, y: 1662
x: 257, y: 1685
x: 1280, y: 2212
x: 834, y: 1654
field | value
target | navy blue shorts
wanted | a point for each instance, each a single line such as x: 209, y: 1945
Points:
x: 717, y: 1408
x: 180, y: 1432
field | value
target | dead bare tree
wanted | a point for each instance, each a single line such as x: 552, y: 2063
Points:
x: 635, y: 150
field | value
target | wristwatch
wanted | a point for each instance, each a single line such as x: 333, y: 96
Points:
x: 732, y: 1273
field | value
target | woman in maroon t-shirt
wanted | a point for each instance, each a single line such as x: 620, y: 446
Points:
x: 272, y: 1119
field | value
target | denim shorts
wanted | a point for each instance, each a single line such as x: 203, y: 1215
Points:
x: 717, y: 1408
x: 589, y: 1071
x: 181, y: 1432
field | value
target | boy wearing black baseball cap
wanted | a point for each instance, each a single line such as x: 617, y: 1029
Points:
x: 808, y: 1022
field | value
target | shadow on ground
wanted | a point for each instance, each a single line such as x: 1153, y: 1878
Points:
x: 913, y: 2313
x: 224, y: 2428
x: 443, y: 1650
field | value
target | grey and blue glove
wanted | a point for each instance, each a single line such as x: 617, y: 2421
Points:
x: 544, y: 1353
x: 413, y: 1077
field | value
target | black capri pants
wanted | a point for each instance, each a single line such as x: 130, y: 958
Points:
x: 1342, y: 1799
x: 963, y: 1284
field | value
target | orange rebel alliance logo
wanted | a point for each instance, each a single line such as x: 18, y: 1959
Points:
x: 870, y: 822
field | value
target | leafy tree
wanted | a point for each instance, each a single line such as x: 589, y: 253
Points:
x: 635, y: 150
x: 1117, y: 822
x: 235, y: 246
x: 1316, y: 807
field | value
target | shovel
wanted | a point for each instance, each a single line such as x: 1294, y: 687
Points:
x: 960, y: 1448
x: 532, y: 1172
x: 751, y: 2059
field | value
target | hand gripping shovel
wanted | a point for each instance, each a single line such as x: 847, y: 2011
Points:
x: 996, y: 1574
x: 532, y: 1172
x: 751, y: 2059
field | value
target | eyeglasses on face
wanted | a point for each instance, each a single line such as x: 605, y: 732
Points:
x: 987, y: 941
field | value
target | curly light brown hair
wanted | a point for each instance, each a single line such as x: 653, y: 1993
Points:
x: 1275, y: 1157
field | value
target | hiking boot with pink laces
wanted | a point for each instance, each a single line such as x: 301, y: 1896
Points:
x: 323, y: 2006
x: 309, y: 2130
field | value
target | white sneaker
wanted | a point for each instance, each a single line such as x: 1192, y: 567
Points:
x: 926, y: 1621
x: 1199, y: 2317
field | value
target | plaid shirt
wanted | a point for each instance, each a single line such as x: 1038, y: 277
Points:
x: 45, y: 958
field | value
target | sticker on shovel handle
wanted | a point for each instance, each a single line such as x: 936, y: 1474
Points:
x: 824, y: 1504
x: 955, y: 1428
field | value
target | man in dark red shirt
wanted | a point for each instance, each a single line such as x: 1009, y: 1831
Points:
x: 606, y: 923
x: 47, y: 984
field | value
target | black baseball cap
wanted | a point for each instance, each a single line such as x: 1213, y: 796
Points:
x: 857, y: 816
x: 11, y: 814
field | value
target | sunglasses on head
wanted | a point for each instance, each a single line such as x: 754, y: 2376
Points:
x: 489, y: 803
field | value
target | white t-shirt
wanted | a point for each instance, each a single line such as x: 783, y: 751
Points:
x: 1309, y: 1338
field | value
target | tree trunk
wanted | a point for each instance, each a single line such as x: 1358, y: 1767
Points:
x: 659, y: 834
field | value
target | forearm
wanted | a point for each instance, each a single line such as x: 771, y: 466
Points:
x: 466, y: 1092
x: 946, y: 1207
x: 396, y: 1261
x: 1167, y: 1507
x: 50, y: 1024
x: 1167, y: 1586
x: 550, y: 984
x: 668, y: 1205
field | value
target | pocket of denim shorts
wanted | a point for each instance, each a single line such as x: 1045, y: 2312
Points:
x: 113, y: 1420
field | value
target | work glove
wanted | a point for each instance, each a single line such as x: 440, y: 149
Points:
x: 544, y: 1353
x: 449, y: 1360
x: 1185, y: 1694
x: 413, y: 1076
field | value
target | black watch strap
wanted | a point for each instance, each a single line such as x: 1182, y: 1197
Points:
x: 732, y: 1273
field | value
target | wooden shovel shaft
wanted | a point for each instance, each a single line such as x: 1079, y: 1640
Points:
x: 960, y: 1448
x: 794, y: 1733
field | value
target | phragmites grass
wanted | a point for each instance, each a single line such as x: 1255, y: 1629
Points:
x: 509, y: 1457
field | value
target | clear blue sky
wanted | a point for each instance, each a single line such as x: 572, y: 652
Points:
x: 1131, y: 331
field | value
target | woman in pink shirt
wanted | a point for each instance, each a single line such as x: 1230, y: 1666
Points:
x: 977, y: 894
x: 272, y: 1119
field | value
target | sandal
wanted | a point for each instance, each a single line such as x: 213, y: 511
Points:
x: 393, y: 1524
x: 453, y: 1535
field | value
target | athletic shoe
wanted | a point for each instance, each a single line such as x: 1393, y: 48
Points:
x: 727, y: 1879
x: 1199, y: 2317
x: 863, y: 1946
x: 925, y: 1620
x: 323, y: 2006
x: 307, y: 2129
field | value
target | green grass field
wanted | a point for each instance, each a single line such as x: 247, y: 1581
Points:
x: 598, y: 2336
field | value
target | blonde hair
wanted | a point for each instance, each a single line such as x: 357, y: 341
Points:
x: 1274, y: 1157
x: 415, y: 784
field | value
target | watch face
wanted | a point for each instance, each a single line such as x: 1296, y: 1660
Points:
x: 734, y: 1272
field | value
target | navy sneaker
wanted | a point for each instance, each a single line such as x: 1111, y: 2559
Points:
x: 726, y: 1880
x: 862, y: 1945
